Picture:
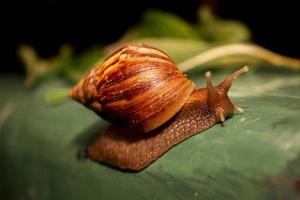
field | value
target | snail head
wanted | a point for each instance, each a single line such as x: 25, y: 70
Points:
x: 217, y: 96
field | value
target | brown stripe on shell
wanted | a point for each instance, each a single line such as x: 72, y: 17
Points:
x: 126, y: 91
x: 109, y: 61
x: 156, y: 103
x: 135, y: 109
x: 129, y: 70
x: 158, y: 87
x: 103, y: 74
x: 126, y: 88
x: 169, y: 110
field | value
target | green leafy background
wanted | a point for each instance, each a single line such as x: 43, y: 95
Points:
x: 255, y: 155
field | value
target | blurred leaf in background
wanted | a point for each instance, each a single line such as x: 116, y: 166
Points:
x: 220, y: 31
x: 155, y: 23
x: 186, y: 43
x: 164, y: 30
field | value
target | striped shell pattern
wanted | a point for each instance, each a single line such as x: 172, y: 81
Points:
x: 138, y: 85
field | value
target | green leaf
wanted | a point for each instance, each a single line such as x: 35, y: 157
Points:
x: 57, y: 95
x: 217, y: 30
x: 65, y: 63
x: 38, y: 68
x: 156, y: 23
x: 255, y: 155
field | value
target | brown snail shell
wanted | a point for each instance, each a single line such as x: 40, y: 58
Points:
x: 138, y: 85
x: 141, y: 87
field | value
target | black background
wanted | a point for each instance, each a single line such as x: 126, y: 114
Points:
x: 46, y: 24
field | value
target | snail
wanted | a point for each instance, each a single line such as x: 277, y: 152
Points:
x: 151, y: 104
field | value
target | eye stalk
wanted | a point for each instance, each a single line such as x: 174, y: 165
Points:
x: 217, y: 97
x: 226, y: 84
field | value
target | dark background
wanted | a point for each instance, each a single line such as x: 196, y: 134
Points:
x: 46, y: 24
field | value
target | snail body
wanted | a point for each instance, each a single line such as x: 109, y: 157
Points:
x: 151, y: 104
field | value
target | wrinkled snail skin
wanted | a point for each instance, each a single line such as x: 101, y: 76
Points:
x: 121, y: 147
x: 186, y: 112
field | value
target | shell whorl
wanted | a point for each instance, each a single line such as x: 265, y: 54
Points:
x: 138, y: 85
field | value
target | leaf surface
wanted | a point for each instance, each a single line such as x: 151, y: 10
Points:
x: 255, y: 155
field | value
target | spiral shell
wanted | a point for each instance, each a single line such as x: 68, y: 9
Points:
x: 138, y: 84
